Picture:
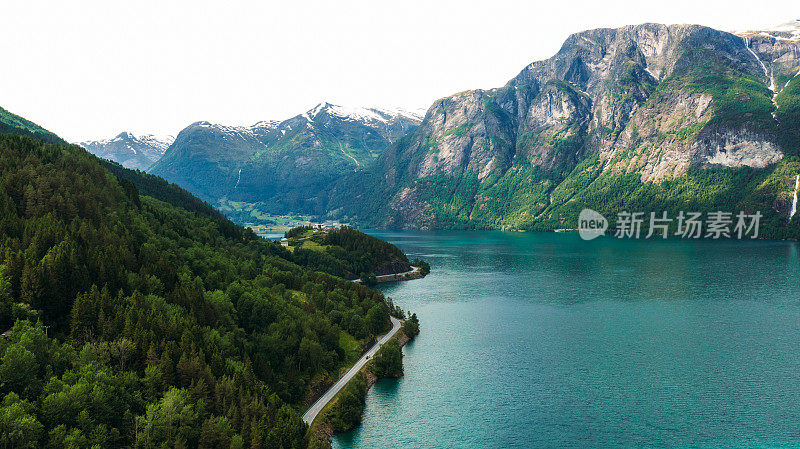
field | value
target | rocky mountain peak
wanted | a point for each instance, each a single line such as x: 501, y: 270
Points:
x: 130, y: 150
x: 651, y: 102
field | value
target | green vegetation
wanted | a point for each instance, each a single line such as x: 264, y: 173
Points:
x: 424, y: 267
x: 411, y: 326
x: 388, y: 361
x: 252, y: 215
x: 788, y: 115
x: 299, y: 231
x: 567, y: 140
x: 14, y: 124
x: 739, y: 101
x: 565, y: 87
x: 689, y: 132
x: 345, y: 412
x: 345, y: 252
x: 136, y: 182
x: 459, y: 130
x: 148, y: 320
x: 702, y: 190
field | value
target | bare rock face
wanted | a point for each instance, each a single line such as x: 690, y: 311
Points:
x: 411, y: 212
x: 452, y: 143
x: 735, y: 149
x: 651, y: 100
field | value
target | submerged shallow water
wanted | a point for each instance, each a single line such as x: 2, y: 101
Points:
x: 545, y: 340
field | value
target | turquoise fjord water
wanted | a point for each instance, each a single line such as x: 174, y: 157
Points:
x: 544, y: 340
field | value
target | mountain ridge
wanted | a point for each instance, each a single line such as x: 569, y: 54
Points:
x: 281, y: 163
x: 13, y: 124
x: 635, y: 116
x: 132, y: 151
x: 645, y: 103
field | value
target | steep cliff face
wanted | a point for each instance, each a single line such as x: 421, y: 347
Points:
x: 649, y: 103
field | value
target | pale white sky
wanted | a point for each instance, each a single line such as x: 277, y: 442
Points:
x: 90, y: 69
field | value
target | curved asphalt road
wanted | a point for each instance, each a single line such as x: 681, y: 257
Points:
x: 311, y: 413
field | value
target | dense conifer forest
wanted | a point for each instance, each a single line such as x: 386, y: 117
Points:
x: 141, y: 317
x: 347, y: 253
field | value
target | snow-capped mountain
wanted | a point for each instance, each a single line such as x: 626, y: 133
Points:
x: 137, y: 152
x: 281, y: 161
x: 786, y: 31
x: 388, y: 124
x: 360, y: 114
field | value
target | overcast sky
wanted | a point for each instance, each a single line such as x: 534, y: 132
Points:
x: 90, y: 69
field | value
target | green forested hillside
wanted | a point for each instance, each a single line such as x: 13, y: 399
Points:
x: 144, y: 322
x: 14, y: 124
x: 346, y: 253
x: 160, y: 189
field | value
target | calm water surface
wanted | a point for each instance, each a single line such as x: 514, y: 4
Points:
x: 544, y: 340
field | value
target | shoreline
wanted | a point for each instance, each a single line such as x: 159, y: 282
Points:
x: 608, y: 233
x: 330, y: 394
x: 414, y: 273
x: 322, y: 428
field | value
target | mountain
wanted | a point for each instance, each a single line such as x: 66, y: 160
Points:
x: 283, y: 164
x: 136, y: 152
x: 142, y: 317
x: 647, y: 117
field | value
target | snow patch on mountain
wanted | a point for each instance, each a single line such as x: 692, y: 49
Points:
x: 267, y: 125
x: 130, y: 150
x: 360, y: 114
x: 157, y: 142
x: 789, y: 31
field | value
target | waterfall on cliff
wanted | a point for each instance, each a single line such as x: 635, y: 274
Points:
x: 794, y: 200
x: 769, y: 74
